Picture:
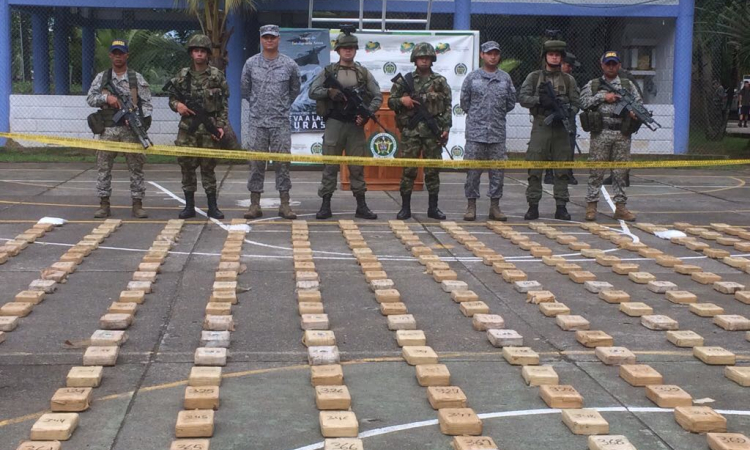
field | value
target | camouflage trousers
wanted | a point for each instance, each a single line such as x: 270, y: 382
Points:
x: 273, y: 140
x: 609, y: 145
x: 482, y: 151
x: 340, y: 136
x: 105, y: 161
x: 189, y: 164
x: 428, y: 148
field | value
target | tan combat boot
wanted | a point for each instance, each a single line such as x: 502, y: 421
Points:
x: 254, y: 211
x: 622, y: 213
x: 285, y: 211
x: 591, y: 211
x: 138, y: 211
x: 471, y: 210
x: 104, y: 208
x: 495, y: 213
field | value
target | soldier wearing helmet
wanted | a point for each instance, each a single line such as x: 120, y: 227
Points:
x: 206, y: 87
x: 431, y: 96
x: 549, y: 142
x: 344, y: 127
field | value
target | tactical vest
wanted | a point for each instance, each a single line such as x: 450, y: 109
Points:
x: 103, y: 118
x: 324, y: 108
x: 538, y: 78
x: 592, y: 120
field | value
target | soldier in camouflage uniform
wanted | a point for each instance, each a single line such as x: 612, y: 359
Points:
x: 270, y: 84
x: 431, y: 90
x: 344, y: 127
x: 206, y: 86
x: 98, y: 97
x: 610, y: 134
x: 487, y: 95
x: 549, y: 142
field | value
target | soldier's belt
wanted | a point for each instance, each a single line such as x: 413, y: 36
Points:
x: 123, y: 147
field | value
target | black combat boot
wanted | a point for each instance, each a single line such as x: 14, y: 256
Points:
x: 213, y: 208
x: 549, y: 177
x: 405, y: 212
x: 325, y: 208
x: 562, y: 213
x: 572, y: 179
x: 433, y: 212
x: 533, y: 212
x: 363, y: 212
x: 189, y: 210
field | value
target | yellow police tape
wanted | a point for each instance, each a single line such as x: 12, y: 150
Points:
x: 167, y: 150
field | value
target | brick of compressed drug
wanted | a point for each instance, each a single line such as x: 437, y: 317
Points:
x: 419, y: 354
x: 742, y: 246
x: 661, y: 287
x: 218, y: 323
x: 740, y: 375
x: 225, y: 286
x: 640, y: 375
x: 16, y: 309
x: 521, y: 356
x: 71, y: 399
x: 566, y: 268
x: 536, y: 297
x: 625, y: 268
x: 410, y: 338
x: 144, y: 276
x: 402, y: 322
x: 561, y: 396
x: 706, y: 309
x: 420, y: 250
x: 444, y: 275
x: 540, y: 251
x: 376, y: 285
x: 716, y: 253
x: 591, y: 252
x: 687, y: 269
x: 736, y: 262
x: 581, y: 276
x: 136, y: 297
x: 553, y: 309
x: 326, y: 375
x: 210, y: 356
x: 104, y: 338
x: 195, y: 423
x: 539, y: 375
x: 8, y: 323
x: 115, y: 321
x: 607, y: 260
x: 649, y: 252
x: 314, y: 322
x: 224, y: 297
x: 615, y: 356
x: 90, y: 376
x: 552, y: 261
x: 668, y: 396
x: 659, y: 322
x: 715, y: 356
x: 681, y: 297
x: 309, y: 297
x: 473, y: 443
x: 309, y: 308
x: 597, y: 286
x: 667, y: 260
x: 685, y: 338
x: 513, y: 275
x: 565, y: 239
x: 219, y: 308
x: 614, y: 296
x: 217, y: 339
x: 484, y: 322
x: 571, y: 322
x: 610, y: 442
x: 323, y: 355
x: 396, y: 308
x: 728, y: 441
x: 579, y: 246
x: 335, y: 424
x: 54, y: 427
x: 743, y: 297
x: 446, y: 397
x: 459, y: 422
x: 332, y: 397
x: 585, y: 421
x: 432, y: 375
x: 732, y: 322
x: 469, y: 309
x: 155, y: 257
x: 453, y: 285
x: 464, y: 296
x: 387, y: 296
x: 123, y: 308
x: 500, y: 267
x: 527, y: 285
x: 67, y: 267
x: 504, y: 338
x: 593, y: 338
x: 58, y: 276
x: 728, y: 287
x: 205, y: 376
x: 101, y: 356
x: 84, y: 250
x: 366, y: 267
x: 375, y: 275
x: 426, y: 259
x: 636, y: 309
x: 144, y: 286
x: 201, y: 397
x: 641, y: 277
x: 705, y: 277
x: 46, y: 286
x: 309, y: 266
x: 226, y: 275
x: 489, y: 260
x: 700, y: 419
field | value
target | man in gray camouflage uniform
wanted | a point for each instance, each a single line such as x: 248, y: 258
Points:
x: 270, y: 84
x: 98, y: 97
x: 610, y: 134
x: 487, y: 95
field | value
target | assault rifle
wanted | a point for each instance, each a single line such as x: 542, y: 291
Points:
x: 562, y: 112
x: 422, y: 114
x: 628, y: 103
x: 354, y: 99
x: 130, y: 113
x: 200, y: 117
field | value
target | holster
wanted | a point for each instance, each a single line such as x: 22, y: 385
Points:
x: 630, y: 125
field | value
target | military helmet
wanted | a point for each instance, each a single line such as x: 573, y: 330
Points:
x: 554, y: 46
x: 199, y: 41
x: 423, y: 49
x: 346, y: 40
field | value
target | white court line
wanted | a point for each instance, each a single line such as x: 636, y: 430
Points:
x: 623, y: 225
x: 521, y: 413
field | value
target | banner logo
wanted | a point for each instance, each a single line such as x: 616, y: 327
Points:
x: 316, y: 148
x: 457, y: 151
x: 372, y: 46
x: 458, y: 111
x: 460, y: 69
x: 407, y: 47
x: 442, y: 47
x: 390, y: 68
x: 383, y: 145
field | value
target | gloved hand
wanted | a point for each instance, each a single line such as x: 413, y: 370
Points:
x: 546, y: 100
x: 336, y: 95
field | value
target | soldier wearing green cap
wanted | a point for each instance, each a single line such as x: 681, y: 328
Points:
x: 344, y: 127
x: 549, y: 142
x: 206, y: 86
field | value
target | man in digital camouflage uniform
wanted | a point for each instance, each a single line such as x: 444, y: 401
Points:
x: 129, y: 83
x: 610, y: 134
x: 549, y: 142
x: 344, y: 127
x: 207, y: 87
x: 431, y: 90
x: 487, y: 96
x: 270, y: 84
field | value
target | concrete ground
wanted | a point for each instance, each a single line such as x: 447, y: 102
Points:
x: 267, y: 401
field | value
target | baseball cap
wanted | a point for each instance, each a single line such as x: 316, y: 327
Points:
x: 611, y: 56
x: 273, y: 30
x: 119, y: 44
x: 489, y: 46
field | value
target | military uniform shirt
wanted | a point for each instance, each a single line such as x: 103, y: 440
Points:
x: 434, y: 94
x: 208, y: 88
x: 595, y: 100
x: 486, y: 98
x: 96, y: 99
x: 270, y: 86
